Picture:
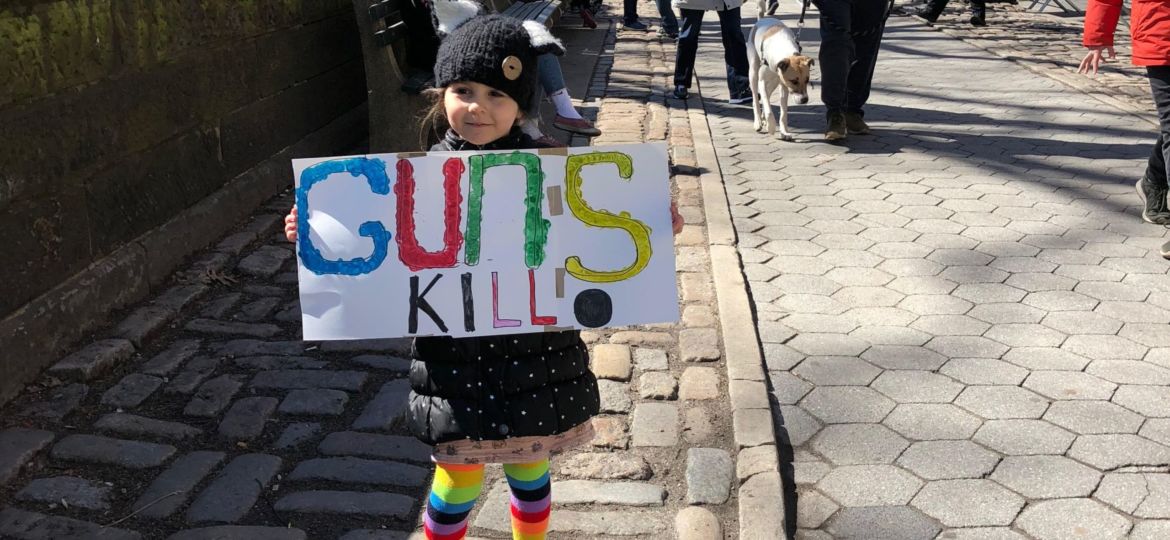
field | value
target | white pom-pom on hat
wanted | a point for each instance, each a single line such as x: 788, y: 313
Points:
x: 451, y: 14
x: 542, y: 40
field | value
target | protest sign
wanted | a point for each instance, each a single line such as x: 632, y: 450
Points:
x: 483, y: 243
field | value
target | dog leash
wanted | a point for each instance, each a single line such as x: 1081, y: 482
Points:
x: 800, y: 22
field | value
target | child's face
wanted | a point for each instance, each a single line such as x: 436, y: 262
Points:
x: 479, y: 113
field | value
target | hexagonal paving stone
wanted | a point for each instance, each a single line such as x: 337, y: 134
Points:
x: 891, y: 335
x: 1062, y: 385
x: 1024, y: 335
x: 836, y: 371
x: 1081, y: 322
x: 1046, y: 358
x: 788, y: 388
x: 1110, y: 452
x: 1150, y: 530
x: 917, y: 285
x: 1023, y: 437
x: 1143, y: 495
x: 1006, y: 312
x: 859, y: 277
x: 904, y: 259
x: 882, y: 523
x: 1157, y: 430
x: 812, y: 322
x: 885, y: 316
x: 959, y: 257
x: 903, y: 357
x: 870, y: 485
x: 968, y: 503
x: 983, y: 371
x: 795, y: 425
x: 927, y: 422
x: 1093, y: 417
x: 1072, y: 518
x: 935, y: 304
x: 986, y: 293
x: 1130, y: 372
x: 847, y: 404
x: 967, y: 347
x: 1046, y: 477
x: 906, y: 386
x: 1101, y: 347
x: 948, y: 460
x: 1104, y: 290
x: 975, y: 274
x: 998, y: 402
x: 1060, y: 301
x: 868, y: 297
x: 859, y: 444
x: 950, y: 325
x: 1148, y: 334
x: 1038, y: 281
x: 813, y: 508
x: 980, y: 533
x: 828, y: 345
x: 793, y: 283
x: 1151, y: 401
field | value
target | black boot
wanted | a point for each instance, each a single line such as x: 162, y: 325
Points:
x: 978, y: 13
x: 928, y: 12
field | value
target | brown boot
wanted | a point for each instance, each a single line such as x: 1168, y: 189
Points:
x: 837, y: 129
x: 855, y: 124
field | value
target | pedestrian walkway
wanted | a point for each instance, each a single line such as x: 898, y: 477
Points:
x: 200, y: 415
x: 965, y: 322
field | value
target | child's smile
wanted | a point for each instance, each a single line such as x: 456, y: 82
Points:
x: 479, y: 113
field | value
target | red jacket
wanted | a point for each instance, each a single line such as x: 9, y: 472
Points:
x: 1149, y: 28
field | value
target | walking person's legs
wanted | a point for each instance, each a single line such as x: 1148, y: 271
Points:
x: 669, y: 26
x: 630, y: 15
x: 978, y: 13
x: 836, y: 57
x: 453, y: 494
x: 869, y: 21
x: 688, y: 45
x: 929, y: 11
x: 735, y: 55
x: 1155, y: 184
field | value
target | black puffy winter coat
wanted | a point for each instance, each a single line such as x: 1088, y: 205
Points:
x: 496, y: 387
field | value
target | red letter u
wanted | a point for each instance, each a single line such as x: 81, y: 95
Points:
x: 409, y: 252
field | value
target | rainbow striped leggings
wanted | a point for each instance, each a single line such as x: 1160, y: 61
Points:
x: 456, y: 487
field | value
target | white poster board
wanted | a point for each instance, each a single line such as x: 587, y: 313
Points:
x: 484, y: 243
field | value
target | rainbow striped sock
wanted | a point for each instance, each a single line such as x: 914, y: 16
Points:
x: 452, y: 497
x: 531, y: 499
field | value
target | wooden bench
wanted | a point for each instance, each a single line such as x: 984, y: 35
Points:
x: 393, y: 86
x: 545, y: 12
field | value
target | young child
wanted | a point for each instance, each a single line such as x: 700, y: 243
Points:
x: 513, y: 399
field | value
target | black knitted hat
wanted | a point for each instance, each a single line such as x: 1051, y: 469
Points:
x: 495, y: 50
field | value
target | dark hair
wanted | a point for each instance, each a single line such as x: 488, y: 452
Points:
x: 433, y: 119
x: 433, y: 122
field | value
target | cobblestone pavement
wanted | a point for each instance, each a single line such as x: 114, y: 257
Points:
x: 966, y: 324
x: 201, y: 415
x: 1050, y: 43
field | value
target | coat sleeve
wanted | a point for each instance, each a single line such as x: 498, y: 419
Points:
x: 1100, y: 22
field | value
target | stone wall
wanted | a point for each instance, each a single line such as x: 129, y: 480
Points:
x: 118, y: 117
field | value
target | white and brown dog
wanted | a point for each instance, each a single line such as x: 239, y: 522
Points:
x: 775, y: 60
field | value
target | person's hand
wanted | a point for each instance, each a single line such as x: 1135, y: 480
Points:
x: 290, y: 225
x: 1095, y: 57
x: 676, y: 219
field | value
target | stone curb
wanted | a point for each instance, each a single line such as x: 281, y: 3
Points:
x: 760, y: 498
x: 1056, y: 73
